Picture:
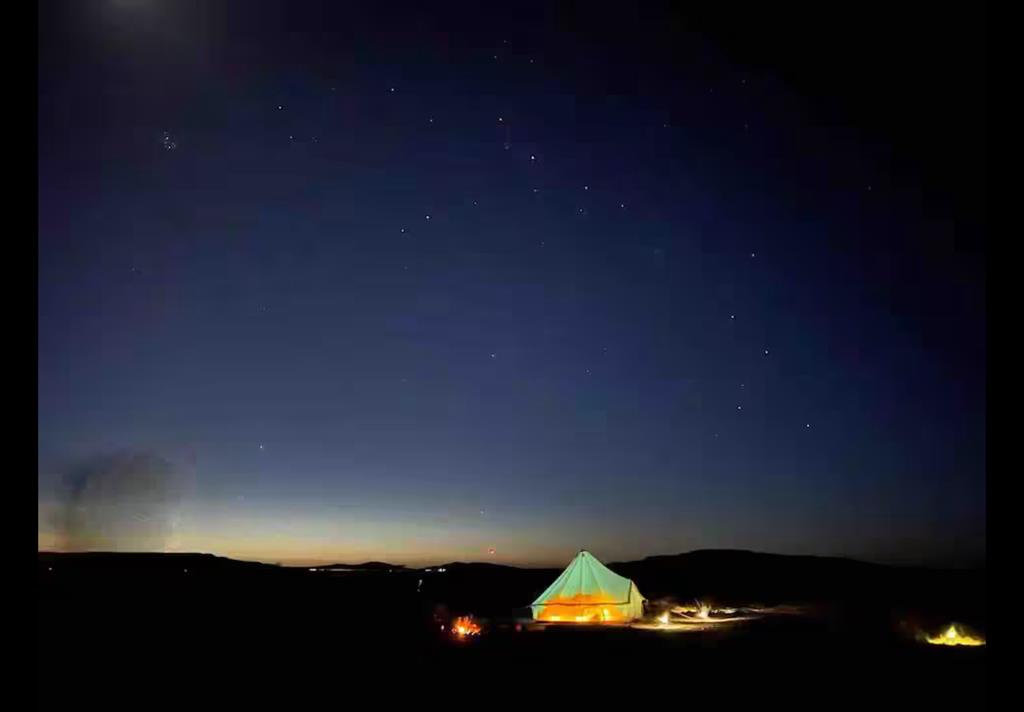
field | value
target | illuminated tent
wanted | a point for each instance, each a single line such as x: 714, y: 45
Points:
x: 588, y: 591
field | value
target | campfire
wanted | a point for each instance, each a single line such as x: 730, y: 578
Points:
x: 954, y: 636
x: 464, y: 627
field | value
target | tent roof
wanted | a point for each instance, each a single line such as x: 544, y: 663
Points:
x: 585, y: 575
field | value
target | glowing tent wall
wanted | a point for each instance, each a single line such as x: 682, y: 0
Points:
x: 589, y: 592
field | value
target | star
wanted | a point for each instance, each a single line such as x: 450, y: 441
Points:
x: 753, y: 254
x: 586, y: 187
x: 500, y: 120
x: 739, y: 407
x: 392, y: 90
x: 402, y: 230
x: 533, y: 158
x: 622, y: 205
x: 807, y: 425
x: 766, y: 352
x: 261, y: 446
x: 428, y: 217
x: 493, y: 355
x: 279, y: 107
x: 732, y: 316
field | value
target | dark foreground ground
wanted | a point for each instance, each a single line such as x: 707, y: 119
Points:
x: 208, y: 633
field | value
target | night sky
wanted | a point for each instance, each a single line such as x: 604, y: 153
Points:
x: 337, y: 282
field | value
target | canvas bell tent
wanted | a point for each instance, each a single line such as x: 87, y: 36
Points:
x: 589, y: 592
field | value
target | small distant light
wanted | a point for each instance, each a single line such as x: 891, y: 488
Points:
x: 392, y: 90
x: 50, y: 568
x: 753, y: 254
x: 428, y: 217
x: 586, y: 187
x: 807, y: 425
x: 622, y: 205
x: 766, y: 352
x: 732, y: 316
x: 739, y: 407
x: 279, y: 107
x: 533, y: 158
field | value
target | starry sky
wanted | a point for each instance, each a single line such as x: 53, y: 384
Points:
x: 337, y: 281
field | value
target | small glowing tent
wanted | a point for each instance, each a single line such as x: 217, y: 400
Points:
x: 589, y: 592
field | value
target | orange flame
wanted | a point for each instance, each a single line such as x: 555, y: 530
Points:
x: 465, y: 626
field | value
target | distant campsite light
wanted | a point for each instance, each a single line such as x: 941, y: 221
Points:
x: 954, y: 636
x: 663, y: 618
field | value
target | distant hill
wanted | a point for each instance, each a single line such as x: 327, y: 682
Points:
x: 366, y: 566
x: 97, y: 560
x: 737, y: 575
x: 728, y: 576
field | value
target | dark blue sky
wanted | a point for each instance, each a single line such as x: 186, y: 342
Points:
x: 682, y: 284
